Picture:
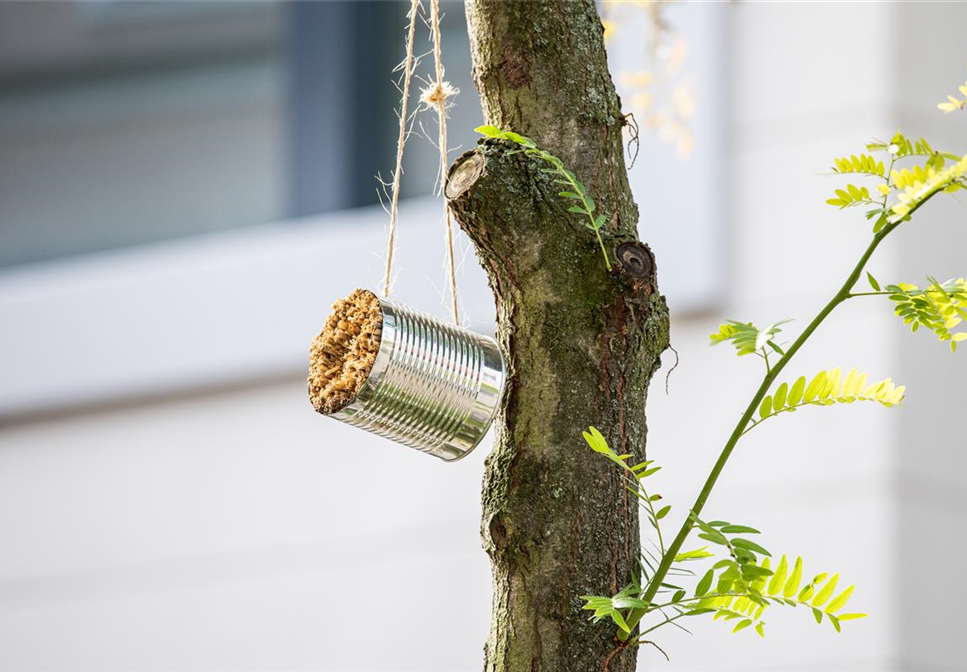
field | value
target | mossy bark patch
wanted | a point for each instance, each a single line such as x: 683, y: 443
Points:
x: 342, y: 355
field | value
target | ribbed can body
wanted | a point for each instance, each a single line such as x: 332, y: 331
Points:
x: 433, y: 386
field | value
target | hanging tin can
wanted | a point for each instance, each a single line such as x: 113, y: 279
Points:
x: 406, y: 376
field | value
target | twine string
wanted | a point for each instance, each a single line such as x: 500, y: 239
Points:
x: 400, y: 142
x: 437, y: 95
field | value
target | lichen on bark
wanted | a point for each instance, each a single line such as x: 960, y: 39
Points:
x: 581, y: 343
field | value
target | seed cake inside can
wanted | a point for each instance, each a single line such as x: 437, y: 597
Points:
x: 342, y: 355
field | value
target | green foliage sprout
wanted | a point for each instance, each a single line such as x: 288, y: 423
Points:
x: 576, y: 191
x: 742, y: 583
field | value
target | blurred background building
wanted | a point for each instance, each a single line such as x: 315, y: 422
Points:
x: 185, y: 187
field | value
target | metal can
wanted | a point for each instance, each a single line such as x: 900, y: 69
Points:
x: 433, y: 386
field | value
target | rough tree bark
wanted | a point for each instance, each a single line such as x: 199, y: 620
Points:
x: 581, y: 343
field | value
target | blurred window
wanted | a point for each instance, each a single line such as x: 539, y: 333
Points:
x: 123, y: 123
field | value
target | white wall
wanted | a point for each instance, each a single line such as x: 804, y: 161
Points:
x: 235, y: 529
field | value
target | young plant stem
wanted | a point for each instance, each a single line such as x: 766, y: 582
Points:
x: 635, y: 616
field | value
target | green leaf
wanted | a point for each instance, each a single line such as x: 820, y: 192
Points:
x: 795, y: 394
x: 850, y: 617
x: 619, y: 620
x: 873, y: 283
x: 489, y: 131
x: 742, y: 625
x: 596, y: 440
x: 881, y: 221
x: 677, y: 597
x: 792, y: 585
x: 750, y: 546
x: 815, y: 387
x: 662, y: 512
x: 765, y: 408
x: 626, y: 602
x: 705, y: 583
x: 599, y: 221
x: 759, y: 629
x: 817, y: 614
x: 518, y: 138
x: 839, y: 602
x: 834, y: 621
x: 778, y: 580
x: 697, y: 554
x: 779, y: 400
x: 715, y: 537
x: 750, y: 571
x: 739, y: 529
x: 826, y: 592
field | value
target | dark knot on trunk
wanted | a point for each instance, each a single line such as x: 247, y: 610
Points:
x: 636, y: 260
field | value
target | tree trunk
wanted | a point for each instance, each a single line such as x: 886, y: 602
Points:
x: 581, y: 343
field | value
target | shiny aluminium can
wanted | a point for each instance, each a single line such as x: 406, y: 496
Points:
x: 433, y: 386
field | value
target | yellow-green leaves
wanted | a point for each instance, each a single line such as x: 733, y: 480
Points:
x: 913, y: 185
x: 829, y: 387
x: 851, y: 196
x: 744, y: 590
x: 610, y: 607
x: 939, y: 307
x: 859, y: 164
x: 747, y: 338
x: 901, y: 146
x: 922, y: 183
x: 909, y: 177
x: 952, y: 104
x: 697, y: 554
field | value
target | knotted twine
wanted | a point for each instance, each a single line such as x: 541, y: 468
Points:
x: 435, y: 95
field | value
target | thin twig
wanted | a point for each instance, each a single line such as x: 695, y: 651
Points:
x: 671, y: 370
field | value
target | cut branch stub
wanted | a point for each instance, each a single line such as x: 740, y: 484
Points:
x: 636, y: 260
x: 464, y: 174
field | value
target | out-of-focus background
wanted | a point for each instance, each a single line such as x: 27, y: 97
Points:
x: 186, y: 187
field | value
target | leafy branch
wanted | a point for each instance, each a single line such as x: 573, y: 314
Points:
x: 825, y: 389
x: 742, y: 585
x: 636, y: 474
x: 739, y: 588
x: 747, y: 338
x: 575, y: 190
x: 940, y: 307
